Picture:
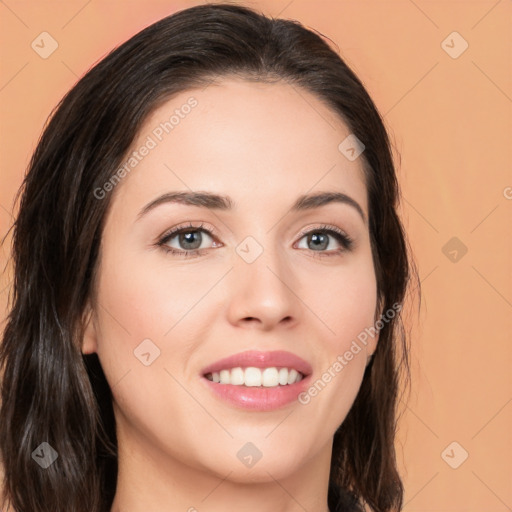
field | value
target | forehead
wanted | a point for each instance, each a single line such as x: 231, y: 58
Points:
x: 254, y: 141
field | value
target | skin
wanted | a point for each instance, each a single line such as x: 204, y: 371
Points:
x: 264, y: 145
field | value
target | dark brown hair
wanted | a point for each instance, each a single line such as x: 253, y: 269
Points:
x: 50, y: 391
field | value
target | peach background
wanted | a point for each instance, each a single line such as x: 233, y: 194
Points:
x: 450, y: 120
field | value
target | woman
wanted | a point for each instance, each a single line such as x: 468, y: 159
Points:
x: 209, y: 273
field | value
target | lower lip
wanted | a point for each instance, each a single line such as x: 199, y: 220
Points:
x: 258, y: 398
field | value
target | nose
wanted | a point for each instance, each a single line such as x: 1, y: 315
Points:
x: 262, y: 294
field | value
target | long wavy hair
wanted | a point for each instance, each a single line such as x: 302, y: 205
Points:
x: 50, y: 391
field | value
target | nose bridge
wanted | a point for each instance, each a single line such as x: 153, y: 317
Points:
x: 263, y: 282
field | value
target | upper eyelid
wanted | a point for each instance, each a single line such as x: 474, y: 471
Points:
x: 325, y: 227
x: 174, y: 231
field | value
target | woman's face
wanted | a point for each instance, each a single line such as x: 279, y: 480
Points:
x: 260, y: 289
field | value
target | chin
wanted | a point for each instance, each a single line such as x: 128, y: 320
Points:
x: 267, y: 469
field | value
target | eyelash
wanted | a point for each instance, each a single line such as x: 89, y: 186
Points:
x: 345, y: 241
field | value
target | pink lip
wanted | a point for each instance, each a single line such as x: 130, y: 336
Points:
x: 256, y: 359
x: 259, y: 398
x: 255, y: 398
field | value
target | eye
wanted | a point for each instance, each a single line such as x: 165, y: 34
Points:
x: 186, y: 240
x: 320, y: 239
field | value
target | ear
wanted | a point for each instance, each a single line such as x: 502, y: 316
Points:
x: 89, y: 342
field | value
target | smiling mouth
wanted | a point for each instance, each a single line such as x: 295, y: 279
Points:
x: 251, y: 376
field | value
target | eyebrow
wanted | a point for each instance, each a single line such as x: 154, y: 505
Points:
x: 224, y: 203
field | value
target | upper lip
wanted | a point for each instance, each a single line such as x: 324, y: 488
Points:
x: 257, y: 359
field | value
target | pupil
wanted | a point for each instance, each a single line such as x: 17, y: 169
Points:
x: 188, y: 238
x: 316, y: 238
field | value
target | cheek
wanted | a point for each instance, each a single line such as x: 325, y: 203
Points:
x: 344, y: 299
x: 138, y: 306
x: 140, y: 300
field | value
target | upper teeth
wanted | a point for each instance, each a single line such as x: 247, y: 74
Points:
x: 267, y: 377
